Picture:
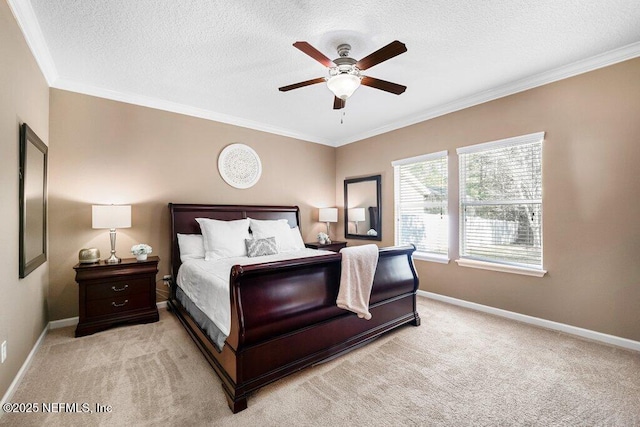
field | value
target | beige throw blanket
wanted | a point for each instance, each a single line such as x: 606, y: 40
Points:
x: 356, y: 280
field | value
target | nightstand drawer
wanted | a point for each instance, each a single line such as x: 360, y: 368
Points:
x: 117, y: 289
x: 119, y: 304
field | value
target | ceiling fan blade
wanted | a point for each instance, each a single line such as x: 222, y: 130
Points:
x: 394, y: 48
x: 338, y: 103
x: 383, y: 85
x: 314, y: 53
x: 302, y: 84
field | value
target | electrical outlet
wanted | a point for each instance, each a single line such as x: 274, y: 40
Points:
x: 4, y: 351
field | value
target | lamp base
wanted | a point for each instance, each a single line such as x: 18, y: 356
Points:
x: 113, y: 259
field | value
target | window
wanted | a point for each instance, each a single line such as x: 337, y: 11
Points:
x: 421, y: 199
x: 501, y: 202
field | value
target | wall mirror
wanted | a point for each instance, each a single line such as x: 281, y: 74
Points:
x: 362, y: 208
x: 33, y: 201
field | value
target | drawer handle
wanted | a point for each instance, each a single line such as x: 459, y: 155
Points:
x: 121, y: 289
x: 120, y: 305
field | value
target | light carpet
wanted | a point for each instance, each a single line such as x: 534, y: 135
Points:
x: 460, y: 368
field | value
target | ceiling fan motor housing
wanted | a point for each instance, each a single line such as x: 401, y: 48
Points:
x: 344, y: 64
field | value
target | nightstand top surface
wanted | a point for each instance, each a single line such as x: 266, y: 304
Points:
x: 123, y: 262
x: 335, y: 245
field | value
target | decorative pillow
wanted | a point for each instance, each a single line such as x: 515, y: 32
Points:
x: 274, y: 228
x: 296, y: 239
x: 191, y: 246
x: 224, y: 239
x: 260, y: 247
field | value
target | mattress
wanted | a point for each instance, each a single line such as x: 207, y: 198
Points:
x: 209, y: 328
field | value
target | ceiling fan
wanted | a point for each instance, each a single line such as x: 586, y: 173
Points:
x: 344, y: 72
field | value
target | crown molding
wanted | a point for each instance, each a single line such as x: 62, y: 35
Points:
x: 174, y: 107
x: 579, y: 67
x: 26, y: 18
x: 576, y: 68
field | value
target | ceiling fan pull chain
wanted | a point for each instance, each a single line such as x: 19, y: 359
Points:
x: 342, y: 118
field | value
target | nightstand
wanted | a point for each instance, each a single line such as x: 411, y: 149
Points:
x: 333, y: 246
x: 112, y: 294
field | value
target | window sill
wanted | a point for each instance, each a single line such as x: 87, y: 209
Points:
x: 500, y: 267
x: 424, y: 256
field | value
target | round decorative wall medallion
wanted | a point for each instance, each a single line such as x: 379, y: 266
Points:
x: 239, y: 166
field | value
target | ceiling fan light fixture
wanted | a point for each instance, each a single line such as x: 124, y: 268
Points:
x: 343, y: 85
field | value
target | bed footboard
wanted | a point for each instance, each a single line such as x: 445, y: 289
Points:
x: 284, y: 316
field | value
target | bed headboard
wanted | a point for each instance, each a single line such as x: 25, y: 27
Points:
x: 183, y: 220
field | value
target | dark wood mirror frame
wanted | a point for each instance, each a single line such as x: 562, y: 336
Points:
x: 376, y: 215
x: 33, y: 201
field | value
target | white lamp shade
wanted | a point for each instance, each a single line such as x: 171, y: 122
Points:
x: 111, y: 216
x: 328, y: 215
x: 356, y: 214
x: 343, y: 85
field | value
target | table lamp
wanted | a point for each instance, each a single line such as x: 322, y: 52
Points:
x: 111, y: 217
x: 328, y: 215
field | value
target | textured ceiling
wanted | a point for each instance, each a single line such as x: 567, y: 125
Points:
x: 225, y: 60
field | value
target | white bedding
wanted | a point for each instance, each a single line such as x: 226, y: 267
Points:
x: 206, y: 283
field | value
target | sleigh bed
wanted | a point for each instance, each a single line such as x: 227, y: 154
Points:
x: 283, y: 314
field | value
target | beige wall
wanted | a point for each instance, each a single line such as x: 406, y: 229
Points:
x: 24, y: 98
x: 591, y: 188
x: 110, y: 152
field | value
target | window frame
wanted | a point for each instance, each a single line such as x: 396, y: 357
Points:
x: 420, y: 255
x: 497, y: 265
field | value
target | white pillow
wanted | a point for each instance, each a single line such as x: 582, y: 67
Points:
x: 279, y: 229
x: 224, y: 239
x: 191, y: 246
x: 296, y: 239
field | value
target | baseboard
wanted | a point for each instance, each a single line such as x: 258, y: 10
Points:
x: 63, y: 323
x: 72, y: 321
x: 23, y: 369
x: 572, y: 330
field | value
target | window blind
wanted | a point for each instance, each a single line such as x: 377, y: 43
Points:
x: 421, y: 199
x: 501, y: 201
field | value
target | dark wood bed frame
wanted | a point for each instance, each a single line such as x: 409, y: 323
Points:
x: 283, y: 314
